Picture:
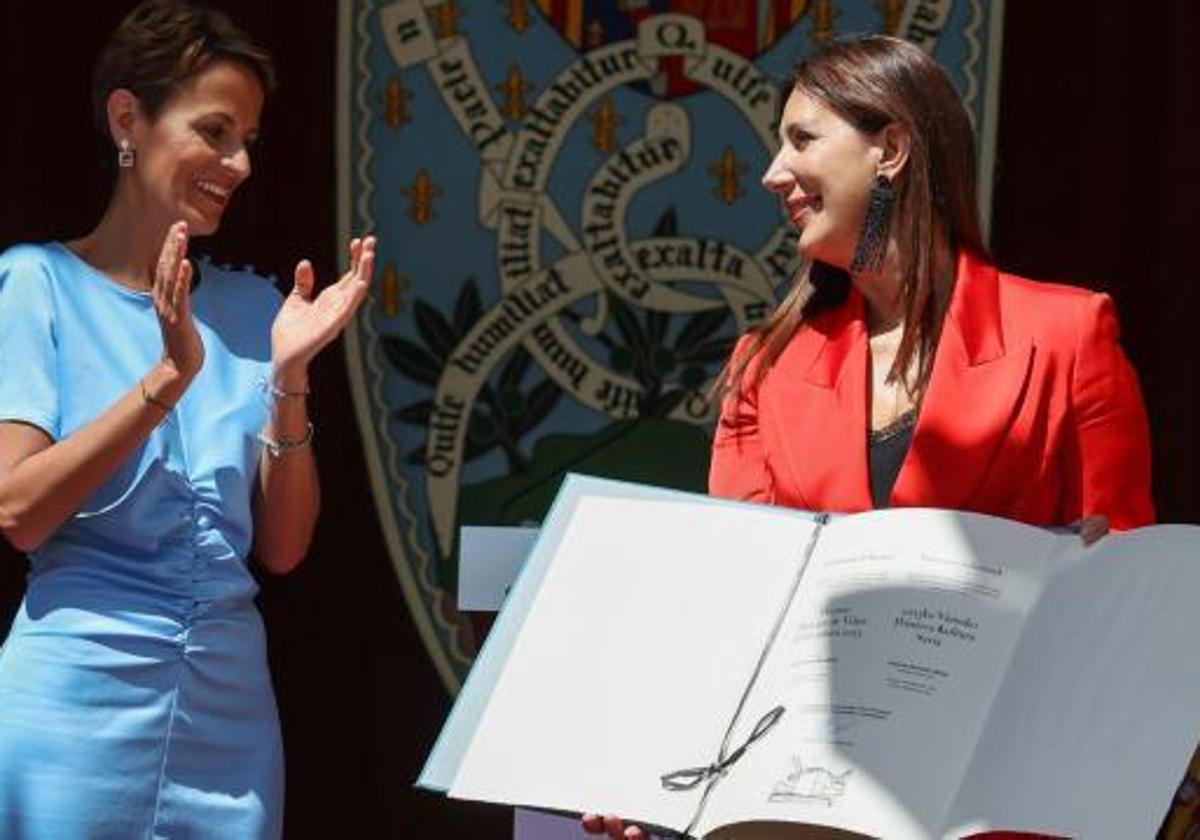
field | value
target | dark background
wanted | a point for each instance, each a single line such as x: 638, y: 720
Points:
x: 1097, y: 183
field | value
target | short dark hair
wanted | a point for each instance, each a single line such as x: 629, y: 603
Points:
x: 162, y: 44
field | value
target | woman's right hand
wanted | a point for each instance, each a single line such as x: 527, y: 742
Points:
x: 612, y: 827
x: 183, y: 349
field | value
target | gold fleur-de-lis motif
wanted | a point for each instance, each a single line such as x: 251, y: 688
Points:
x: 605, y: 120
x: 395, y: 103
x: 514, y: 87
x: 594, y: 35
x: 445, y: 19
x: 892, y: 11
x: 824, y: 12
x: 518, y: 15
x: 395, y: 286
x: 422, y: 192
x: 727, y: 171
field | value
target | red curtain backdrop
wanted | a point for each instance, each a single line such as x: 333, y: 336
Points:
x: 1098, y: 183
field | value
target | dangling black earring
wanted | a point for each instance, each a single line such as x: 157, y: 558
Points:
x: 873, y: 237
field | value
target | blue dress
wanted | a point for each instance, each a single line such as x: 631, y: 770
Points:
x: 135, y: 699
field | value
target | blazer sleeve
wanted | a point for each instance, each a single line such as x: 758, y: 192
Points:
x: 1108, y: 458
x: 738, y: 469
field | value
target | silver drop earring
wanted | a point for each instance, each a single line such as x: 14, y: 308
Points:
x: 125, y: 155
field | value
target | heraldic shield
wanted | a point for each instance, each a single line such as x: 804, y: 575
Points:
x: 571, y: 238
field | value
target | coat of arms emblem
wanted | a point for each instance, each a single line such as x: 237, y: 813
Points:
x: 571, y: 238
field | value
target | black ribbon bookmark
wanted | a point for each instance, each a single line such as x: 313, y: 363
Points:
x: 693, y: 777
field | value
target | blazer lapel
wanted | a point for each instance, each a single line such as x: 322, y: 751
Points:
x: 973, y: 396
x: 819, y: 410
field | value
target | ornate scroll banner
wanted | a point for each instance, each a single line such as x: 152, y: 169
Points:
x: 572, y: 236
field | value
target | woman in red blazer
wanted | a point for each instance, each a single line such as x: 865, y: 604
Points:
x: 903, y: 368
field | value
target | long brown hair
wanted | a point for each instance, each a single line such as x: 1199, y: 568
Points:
x: 872, y: 82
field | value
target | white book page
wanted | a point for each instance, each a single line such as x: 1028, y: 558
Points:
x: 1097, y: 720
x: 633, y: 656
x: 900, y: 635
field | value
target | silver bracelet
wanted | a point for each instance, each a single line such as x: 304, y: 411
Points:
x: 279, y: 448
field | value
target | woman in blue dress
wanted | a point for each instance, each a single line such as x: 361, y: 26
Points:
x: 154, y: 432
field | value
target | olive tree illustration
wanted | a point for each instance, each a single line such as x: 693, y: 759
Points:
x: 508, y: 407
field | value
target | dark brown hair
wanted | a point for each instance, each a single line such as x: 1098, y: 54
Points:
x: 162, y: 44
x: 872, y: 82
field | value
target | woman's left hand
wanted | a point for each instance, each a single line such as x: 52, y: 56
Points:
x: 612, y: 826
x: 1091, y: 528
x: 305, y: 325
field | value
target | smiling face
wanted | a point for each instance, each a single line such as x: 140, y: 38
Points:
x: 193, y: 155
x: 823, y: 173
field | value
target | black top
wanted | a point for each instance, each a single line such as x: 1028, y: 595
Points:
x: 885, y: 454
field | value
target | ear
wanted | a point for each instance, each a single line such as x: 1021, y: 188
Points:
x: 124, y: 116
x: 894, y: 142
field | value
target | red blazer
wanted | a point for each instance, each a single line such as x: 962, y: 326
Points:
x: 1032, y: 413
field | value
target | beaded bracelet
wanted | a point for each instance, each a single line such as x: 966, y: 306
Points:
x: 279, y: 392
x: 269, y: 389
x: 150, y: 399
x: 278, y: 448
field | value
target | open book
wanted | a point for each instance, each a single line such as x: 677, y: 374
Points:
x: 695, y: 663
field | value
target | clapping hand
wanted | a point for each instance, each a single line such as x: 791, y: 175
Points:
x: 306, y: 324
x: 183, y: 349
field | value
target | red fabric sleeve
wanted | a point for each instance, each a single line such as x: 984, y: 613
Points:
x: 1108, y: 454
x: 739, y: 463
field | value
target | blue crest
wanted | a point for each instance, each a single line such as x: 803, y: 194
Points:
x: 571, y: 237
